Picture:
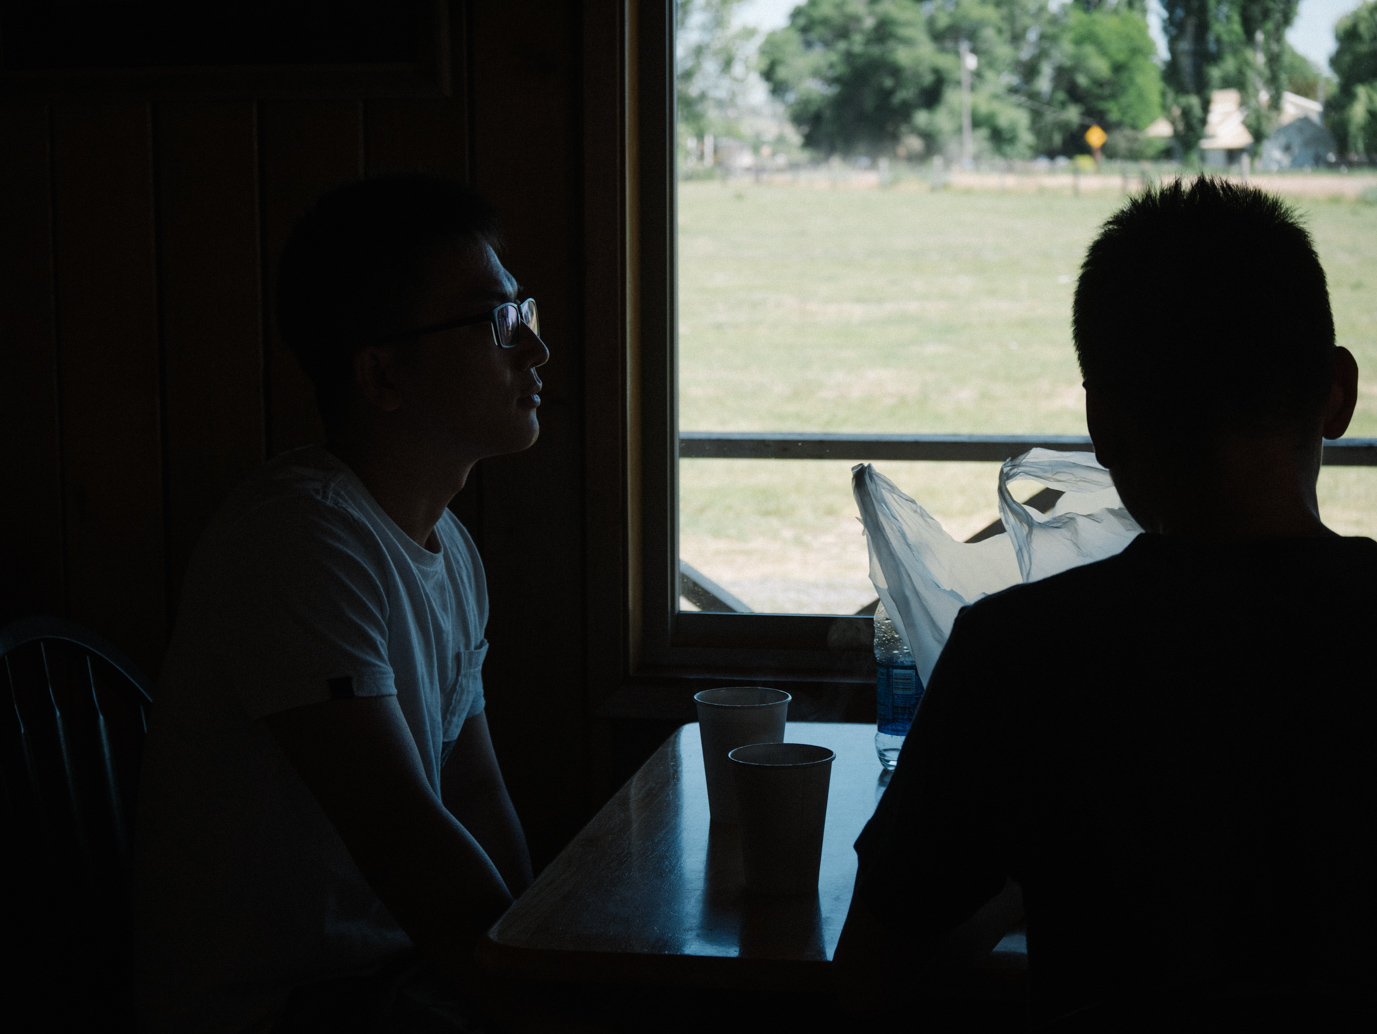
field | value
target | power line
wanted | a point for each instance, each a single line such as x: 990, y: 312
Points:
x: 1050, y: 109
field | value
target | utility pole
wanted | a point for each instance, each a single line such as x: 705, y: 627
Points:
x: 968, y: 63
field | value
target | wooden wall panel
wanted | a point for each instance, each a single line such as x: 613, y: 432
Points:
x: 306, y: 147
x: 606, y: 579
x: 211, y: 303
x: 107, y: 315
x: 429, y: 135
x: 525, y: 61
x: 31, y: 576
x: 604, y: 360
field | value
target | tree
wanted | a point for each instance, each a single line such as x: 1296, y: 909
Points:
x: 1110, y: 72
x: 996, y: 31
x: 1353, y: 113
x: 1303, y: 75
x: 1264, y: 23
x: 860, y: 76
x: 712, y: 64
x: 1218, y: 44
x: 1100, y: 66
x: 853, y: 73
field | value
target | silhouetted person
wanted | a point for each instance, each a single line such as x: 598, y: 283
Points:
x: 323, y: 830
x: 1170, y: 753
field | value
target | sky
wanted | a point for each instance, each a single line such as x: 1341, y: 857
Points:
x: 1312, y: 33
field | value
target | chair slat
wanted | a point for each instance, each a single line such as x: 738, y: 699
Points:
x: 71, y: 743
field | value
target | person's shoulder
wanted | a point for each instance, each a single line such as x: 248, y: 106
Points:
x: 1354, y: 549
x: 1076, y: 587
x: 1343, y: 567
x: 297, y: 500
x: 307, y: 476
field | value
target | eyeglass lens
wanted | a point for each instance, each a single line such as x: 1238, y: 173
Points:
x: 509, y: 317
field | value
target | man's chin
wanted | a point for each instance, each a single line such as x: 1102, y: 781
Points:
x: 519, y: 440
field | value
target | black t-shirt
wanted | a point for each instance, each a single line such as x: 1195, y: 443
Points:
x: 1172, y: 751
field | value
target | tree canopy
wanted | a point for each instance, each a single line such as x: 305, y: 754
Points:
x: 712, y: 64
x: 1228, y: 44
x: 1353, y: 118
x: 854, y: 72
x: 871, y: 76
x: 1109, y: 69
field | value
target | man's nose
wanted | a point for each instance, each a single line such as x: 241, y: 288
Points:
x: 533, y: 350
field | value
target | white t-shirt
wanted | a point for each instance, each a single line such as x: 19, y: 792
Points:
x: 302, y: 590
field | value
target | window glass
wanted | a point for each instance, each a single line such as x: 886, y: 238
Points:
x: 915, y: 280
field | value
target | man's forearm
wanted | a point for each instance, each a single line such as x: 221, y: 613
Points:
x: 475, y: 793
x: 445, y: 894
x: 489, y: 816
x: 358, y: 759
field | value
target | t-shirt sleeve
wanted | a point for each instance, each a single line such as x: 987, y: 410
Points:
x: 938, y: 845
x: 303, y: 609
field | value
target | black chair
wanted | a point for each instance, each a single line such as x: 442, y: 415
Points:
x: 71, y: 741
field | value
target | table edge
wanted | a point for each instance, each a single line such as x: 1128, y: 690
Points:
x: 596, y: 967
x: 1003, y: 974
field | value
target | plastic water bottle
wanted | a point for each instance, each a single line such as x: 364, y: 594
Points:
x: 897, y: 689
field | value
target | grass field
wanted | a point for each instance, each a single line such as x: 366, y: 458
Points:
x: 805, y: 309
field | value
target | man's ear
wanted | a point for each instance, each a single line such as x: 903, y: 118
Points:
x: 1343, y: 394
x: 1107, y: 429
x: 375, y: 369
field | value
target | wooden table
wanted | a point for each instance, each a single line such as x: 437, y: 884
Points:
x: 651, y: 892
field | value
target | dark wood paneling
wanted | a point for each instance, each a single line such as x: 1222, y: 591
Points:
x: 225, y: 51
x: 527, y: 162
x: 604, y: 359
x: 417, y: 136
x: 107, y: 314
x: 212, y: 329
x: 604, y: 377
x: 306, y: 147
x: 30, y: 461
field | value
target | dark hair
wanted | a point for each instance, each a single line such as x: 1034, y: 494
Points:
x: 353, y: 264
x: 1203, y: 309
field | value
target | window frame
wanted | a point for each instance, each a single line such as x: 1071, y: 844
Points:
x: 823, y: 655
x: 666, y: 641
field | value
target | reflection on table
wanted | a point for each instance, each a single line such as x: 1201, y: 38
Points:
x: 651, y: 891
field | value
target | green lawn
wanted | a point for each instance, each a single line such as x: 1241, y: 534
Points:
x: 805, y: 309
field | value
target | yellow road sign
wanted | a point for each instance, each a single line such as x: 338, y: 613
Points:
x: 1095, y: 137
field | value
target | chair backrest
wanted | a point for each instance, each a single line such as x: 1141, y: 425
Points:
x: 71, y: 741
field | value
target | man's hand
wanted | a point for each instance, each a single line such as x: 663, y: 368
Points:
x: 473, y: 790
x: 359, y: 760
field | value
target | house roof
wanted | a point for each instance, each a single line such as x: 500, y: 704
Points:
x: 1224, y: 128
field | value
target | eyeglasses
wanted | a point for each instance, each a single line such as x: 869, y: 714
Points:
x: 505, y: 320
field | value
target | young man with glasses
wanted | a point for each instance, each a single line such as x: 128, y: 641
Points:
x: 323, y: 831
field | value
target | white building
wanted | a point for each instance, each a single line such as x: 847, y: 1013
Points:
x: 1301, y: 141
x: 1225, y: 134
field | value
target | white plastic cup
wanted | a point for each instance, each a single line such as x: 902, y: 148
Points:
x: 729, y: 718
x: 781, y: 790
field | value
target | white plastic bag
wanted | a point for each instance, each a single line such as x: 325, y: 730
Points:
x: 924, y: 576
